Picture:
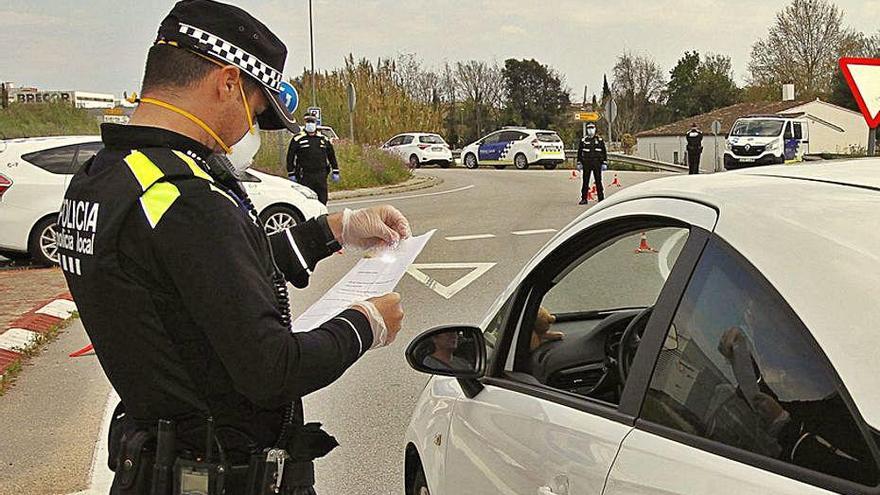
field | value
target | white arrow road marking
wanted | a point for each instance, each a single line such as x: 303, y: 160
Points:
x: 477, y: 269
x: 867, y: 79
x: 470, y: 237
x: 532, y: 232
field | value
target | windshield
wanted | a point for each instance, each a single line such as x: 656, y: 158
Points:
x: 549, y: 137
x: 431, y: 139
x: 761, y: 128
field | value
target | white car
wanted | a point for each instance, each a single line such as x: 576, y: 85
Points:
x: 328, y: 133
x: 518, y: 146
x: 420, y: 148
x: 718, y: 338
x: 764, y: 140
x: 35, y: 173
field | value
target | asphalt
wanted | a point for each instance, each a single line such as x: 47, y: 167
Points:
x: 369, y: 407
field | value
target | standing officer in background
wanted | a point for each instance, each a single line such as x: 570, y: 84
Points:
x: 310, y: 158
x: 591, y: 155
x: 694, y: 148
x: 183, y: 296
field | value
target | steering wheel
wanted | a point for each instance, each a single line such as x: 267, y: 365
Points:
x: 629, y: 342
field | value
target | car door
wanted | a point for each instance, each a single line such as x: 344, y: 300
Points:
x: 407, y: 147
x: 491, y: 147
x: 742, y: 400
x: 549, y: 419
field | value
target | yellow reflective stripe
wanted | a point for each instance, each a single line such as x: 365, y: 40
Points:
x: 196, y: 170
x: 145, y: 171
x: 157, y: 200
x: 222, y: 192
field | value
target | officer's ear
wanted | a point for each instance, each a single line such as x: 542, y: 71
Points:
x: 227, y: 80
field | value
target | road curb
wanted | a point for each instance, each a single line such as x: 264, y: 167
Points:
x: 414, y: 184
x: 27, y: 332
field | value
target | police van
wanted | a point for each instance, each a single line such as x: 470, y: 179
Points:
x: 515, y: 146
x: 766, y: 140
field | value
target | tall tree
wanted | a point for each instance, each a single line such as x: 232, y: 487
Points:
x: 535, y: 93
x: 606, y: 90
x: 639, y: 86
x: 700, y: 84
x: 481, y: 86
x: 869, y: 46
x: 802, y: 48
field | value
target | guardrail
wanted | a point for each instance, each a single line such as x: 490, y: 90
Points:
x: 617, y: 157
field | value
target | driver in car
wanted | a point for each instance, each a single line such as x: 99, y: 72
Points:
x: 443, y: 356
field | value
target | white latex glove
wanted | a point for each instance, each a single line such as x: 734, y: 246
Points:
x: 379, y: 226
x: 381, y: 336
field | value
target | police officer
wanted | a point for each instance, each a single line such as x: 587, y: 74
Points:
x: 591, y: 155
x: 310, y: 158
x: 694, y: 148
x: 182, y: 295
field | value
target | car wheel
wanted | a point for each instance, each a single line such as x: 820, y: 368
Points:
x: 414, y: 161
x: 15, y: 255
x: 44, y: 243
x: 470, y: 161
x: 550, y: 166
x: 500, y: 167
x: 277, y: 218
x: 520, y: 161
x: 445, y: 164
x: 420, y: 484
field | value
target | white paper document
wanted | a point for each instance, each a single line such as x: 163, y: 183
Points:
x: 370, y: 277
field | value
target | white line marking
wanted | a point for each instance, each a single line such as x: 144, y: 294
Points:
x: 387, y: 199
x: 17, y: 339
x: 470, y: 237
x: 532, y: 232
x: 665, y: 251
x: 59, y: 308
x: 477, y: 269
x: 100, y: 477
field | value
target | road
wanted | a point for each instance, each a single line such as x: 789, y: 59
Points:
x: 369, y: 407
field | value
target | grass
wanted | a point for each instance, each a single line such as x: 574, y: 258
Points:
x: 7, y: 379
x: 359, y: 165
x: 51, y: 119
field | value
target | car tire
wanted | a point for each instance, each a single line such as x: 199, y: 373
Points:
x: 500, y: 167
x: 520, y: 161
x: 445, y: 164
x: 550, y: 166
x: 420, y: 484
x: 470, y: 161
x: 15, y: 255
x: 43, y: 245
x: 280, y: 217
x: 414, y: 161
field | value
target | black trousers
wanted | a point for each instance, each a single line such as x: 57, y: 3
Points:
x: 594, y: 169
x: 694, y: 161
x: 317, y: 183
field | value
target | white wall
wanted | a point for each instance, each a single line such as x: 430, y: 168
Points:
x: 664, y: 149
x: 825, y: 139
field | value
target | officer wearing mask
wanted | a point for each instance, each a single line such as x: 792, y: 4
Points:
x: 694, y: 149
x: 591, y: 155
x: 310, y: 158
x: 183, y: 296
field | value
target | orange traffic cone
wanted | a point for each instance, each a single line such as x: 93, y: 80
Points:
x: 82, y: 352
x: 616, y: 181
x: 644, y: 247
x: 574, y: 175
x: 590, y: 196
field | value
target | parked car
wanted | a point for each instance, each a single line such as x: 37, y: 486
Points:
x: 328, y: 133
x: 766, y: 140
x: 696, y: 358
x: 420, y: 148
x: 35, y: 173
x: 518, y: 146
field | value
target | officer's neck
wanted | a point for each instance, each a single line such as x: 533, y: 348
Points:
x: 155, y: 116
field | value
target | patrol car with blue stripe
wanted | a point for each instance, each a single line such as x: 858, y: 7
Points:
x: 517, y: 146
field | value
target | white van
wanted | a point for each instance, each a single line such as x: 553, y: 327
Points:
x: 766, y: 140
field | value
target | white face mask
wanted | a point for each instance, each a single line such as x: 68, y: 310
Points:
x: 591, y: 132
x: 311, y: 127
x: 243, y: 152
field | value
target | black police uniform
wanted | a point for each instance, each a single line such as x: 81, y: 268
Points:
x: 694, y: 150
x: 309, y: 159
x: 592, y: 154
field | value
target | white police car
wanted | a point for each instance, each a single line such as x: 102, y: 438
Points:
x: 518, y: 146
x: 35, y: 173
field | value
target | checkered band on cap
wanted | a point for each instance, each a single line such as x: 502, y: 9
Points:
x: 236, y: 56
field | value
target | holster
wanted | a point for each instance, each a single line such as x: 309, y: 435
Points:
x: 134, y: 463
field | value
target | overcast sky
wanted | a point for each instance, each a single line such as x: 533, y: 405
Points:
x: 99, y: 45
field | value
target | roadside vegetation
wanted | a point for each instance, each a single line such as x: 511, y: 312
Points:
x: 50, y: 119
x: 7, y: 378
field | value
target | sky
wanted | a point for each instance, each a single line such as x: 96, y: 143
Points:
x: 100, y: 45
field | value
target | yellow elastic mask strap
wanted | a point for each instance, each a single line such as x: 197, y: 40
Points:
x: 193, y: 118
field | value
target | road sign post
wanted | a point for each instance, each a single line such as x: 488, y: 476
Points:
x: 610, y: 116
x: 716, y: 130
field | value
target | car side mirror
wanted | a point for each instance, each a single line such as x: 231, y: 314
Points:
x: 455, y: 350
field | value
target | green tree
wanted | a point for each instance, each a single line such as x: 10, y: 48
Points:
x: 700, y: 84
x: 535, y: 95
x: 840, y: 92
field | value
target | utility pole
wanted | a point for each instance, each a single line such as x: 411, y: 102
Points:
x: 312, y: 43
x: 872, y: 141
x: 4, y: 96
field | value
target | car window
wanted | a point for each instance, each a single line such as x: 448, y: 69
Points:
x: 573, y: 338
x: 788, y: 132
x: 408, y: 139
x: 85, y: 152
x: 512, y: 136
x: 798, y: 131
x: 431, y: 139
x: 739, y: 368
x: 55, y: 160
x: 328, y: 132
x: 492, y: 138
x: 549, y: 137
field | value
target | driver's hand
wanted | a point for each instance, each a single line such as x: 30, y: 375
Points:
x: 730, y: 339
